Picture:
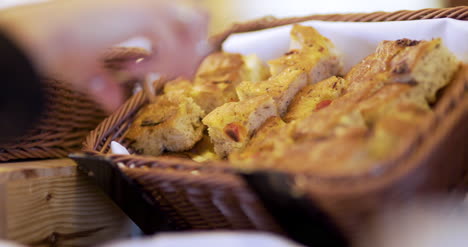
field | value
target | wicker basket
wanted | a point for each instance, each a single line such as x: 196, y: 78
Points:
x: 209, y: 196
x: 69, y: 116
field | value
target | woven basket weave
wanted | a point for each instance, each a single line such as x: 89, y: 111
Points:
x: 209, y: 196
x: 69, y: 116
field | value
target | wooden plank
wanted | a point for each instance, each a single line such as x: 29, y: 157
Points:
x: 44, y: 168
x: 48, y: 203
x: 2, y: 211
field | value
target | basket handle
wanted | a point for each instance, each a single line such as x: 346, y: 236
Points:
x: 299, y: 216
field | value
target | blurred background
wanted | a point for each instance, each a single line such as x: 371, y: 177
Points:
x: 224, y: 12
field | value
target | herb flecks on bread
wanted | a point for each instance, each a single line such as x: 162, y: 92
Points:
x: 282, y: 88
x: 315, y: 97
x: 304, y: 117
x: 169, y: 124
x: 379, y: 108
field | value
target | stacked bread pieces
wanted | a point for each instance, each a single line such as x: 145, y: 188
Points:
x: 312, y: 58
x: 298, y: 114
x: 383, y: 101
x: 315, y: 60
x: 213, y: 86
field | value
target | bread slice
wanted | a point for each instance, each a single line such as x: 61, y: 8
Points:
x: 427, y: 64
x: 208, y: 96
x: 231, y: 125
x: 234, y: 67
x: 267, y: 141
x: 171, y: 123
x: 311, y: 52
x: 315, y: 97
x: 376, y: 64
x: 220, y: 73
x: 282, y: 88
x: 220, y: 66
x: 179, y: 87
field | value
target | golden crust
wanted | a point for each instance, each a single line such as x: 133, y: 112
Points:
x: 282, y: 88
x: 220, y: 66
x: 219, y: 75
x: 315, y: 97
x: 427, y: 64
x: 179, y: 87
x: 311, y: 52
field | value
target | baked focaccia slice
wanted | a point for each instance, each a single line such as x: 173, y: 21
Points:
x: 179, y: 87
x: 281, y: 88
x: 220, y: 73
x: 269, y: 140
x: 314, y: 97
x: 171, y: 123
x: 310, y: 51
x: 231, y: 125
x: 430, y: 65
x: 220, y: 66
x: 427, y: 64
x: 424, y: 66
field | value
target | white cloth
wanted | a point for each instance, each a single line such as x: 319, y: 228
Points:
x: 117, y: 148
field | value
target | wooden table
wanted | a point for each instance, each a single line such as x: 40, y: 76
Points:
x: 49, y: 203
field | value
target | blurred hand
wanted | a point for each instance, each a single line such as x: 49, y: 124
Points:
x: 65, y: 39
